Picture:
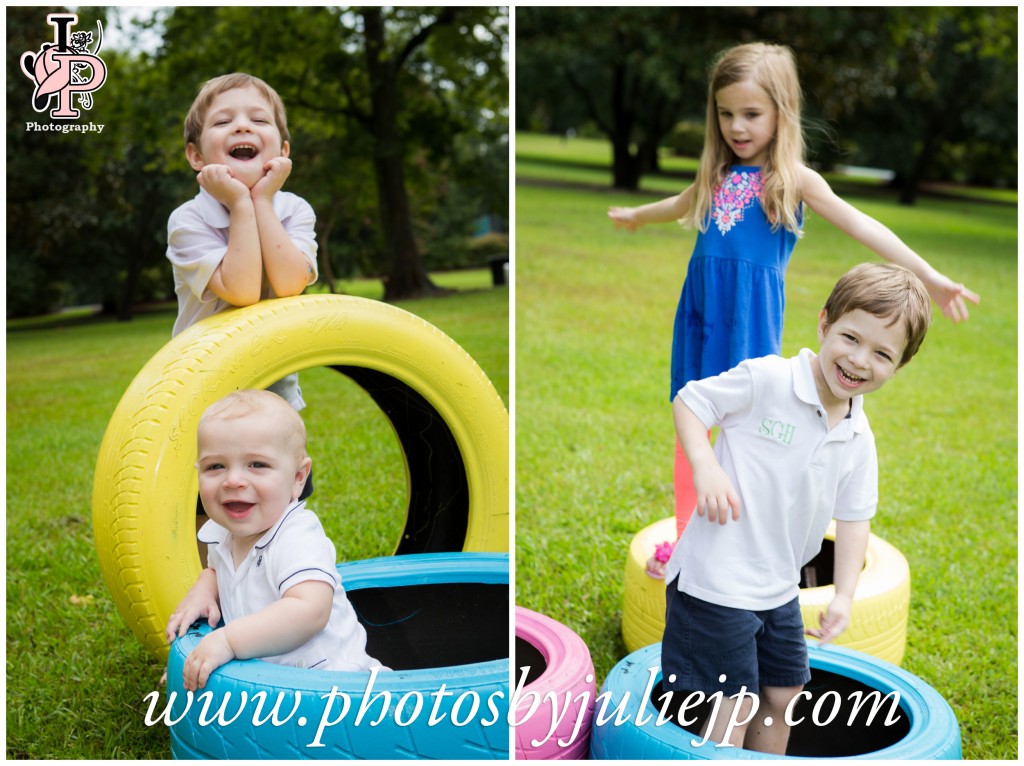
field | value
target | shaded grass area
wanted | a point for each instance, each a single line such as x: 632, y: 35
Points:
x: 594, y: 438
x: 76, y: 676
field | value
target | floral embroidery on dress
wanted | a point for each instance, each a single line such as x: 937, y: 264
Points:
x: 738, y: 191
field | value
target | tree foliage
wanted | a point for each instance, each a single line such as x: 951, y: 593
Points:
x: 929, y: 92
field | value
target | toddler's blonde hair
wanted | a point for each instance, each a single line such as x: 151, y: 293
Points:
x: 254, y: 401
x: 773, y: 68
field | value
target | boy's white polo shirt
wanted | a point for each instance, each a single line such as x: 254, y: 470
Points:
x: 197, y: 240
x: 296, y: 549
x: 792, y: 473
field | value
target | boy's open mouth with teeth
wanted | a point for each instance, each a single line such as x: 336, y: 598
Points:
x: 243, y: 152
x: 847, y: 377
x: 238, y: 509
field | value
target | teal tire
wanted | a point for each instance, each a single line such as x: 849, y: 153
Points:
x: 440, y: 620
x: 921, y: 727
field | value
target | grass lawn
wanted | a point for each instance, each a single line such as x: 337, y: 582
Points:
x: 76, y: 676
x: 594, y: 438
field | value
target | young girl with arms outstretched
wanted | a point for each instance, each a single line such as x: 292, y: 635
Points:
x: 747, y: 204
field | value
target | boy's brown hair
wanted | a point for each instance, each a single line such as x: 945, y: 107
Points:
x: 884, y: 290
x: 213, y: 88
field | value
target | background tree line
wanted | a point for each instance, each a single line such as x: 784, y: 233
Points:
x: 399, y: 123
x: 927, y: 92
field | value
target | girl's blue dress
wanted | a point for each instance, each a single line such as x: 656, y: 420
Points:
x: 733, y: 298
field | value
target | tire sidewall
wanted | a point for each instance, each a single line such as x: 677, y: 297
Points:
x: 934, y: 732
x: 567, y: 680
x: 398, y: 734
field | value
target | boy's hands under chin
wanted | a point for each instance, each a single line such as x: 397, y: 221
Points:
x: 212, y: 652
x: 275, y: 173
x: 222, y: 185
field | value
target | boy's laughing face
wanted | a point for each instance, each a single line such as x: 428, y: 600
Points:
x: 248, y: 473
x: 239, y: 131
x: 859, y: 353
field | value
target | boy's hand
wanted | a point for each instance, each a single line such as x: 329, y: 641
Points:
x: 200, y: 601
x: 212, y: 652
x: 275, y: 173
x: 223, y: 186
x: 623, y: 218
x: 715, y: 493
x: 835, y: 621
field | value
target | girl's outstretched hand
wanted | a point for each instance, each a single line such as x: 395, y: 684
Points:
x: 622, y: 217
x: 949, y: 297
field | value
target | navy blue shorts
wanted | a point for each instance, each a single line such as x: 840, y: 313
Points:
x: 704, y: 641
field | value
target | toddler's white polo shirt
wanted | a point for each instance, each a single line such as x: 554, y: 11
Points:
x: 294, y: 550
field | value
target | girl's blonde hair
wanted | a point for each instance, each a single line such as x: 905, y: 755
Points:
x: 773, y: 68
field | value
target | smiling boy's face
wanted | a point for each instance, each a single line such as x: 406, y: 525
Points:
x: 239, y: 131
x: 859, y: 353
x: 249, y: 472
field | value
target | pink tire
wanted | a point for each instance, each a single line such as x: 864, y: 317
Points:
x: 556, y: 703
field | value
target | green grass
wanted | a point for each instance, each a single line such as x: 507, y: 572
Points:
x: 547, y: 158
x: 594, y: 438
x: 76, y: 676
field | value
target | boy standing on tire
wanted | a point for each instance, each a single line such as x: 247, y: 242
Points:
x: 241, y: 239
x: 794, y: 451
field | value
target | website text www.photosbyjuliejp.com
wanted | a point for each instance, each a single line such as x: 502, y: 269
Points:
x: 375, y: 707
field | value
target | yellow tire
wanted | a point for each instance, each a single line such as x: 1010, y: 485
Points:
x: 881, y: 605
x: 449, y: 420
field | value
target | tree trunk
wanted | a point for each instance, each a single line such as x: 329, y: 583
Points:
x: 322, y: 254
x: 407, y: 277
x: 929, y: 148
x: 126, y: 303
x: 626, y: 167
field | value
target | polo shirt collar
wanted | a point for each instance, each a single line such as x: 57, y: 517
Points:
x: 270, y: 534
x: 807, y: 391
x: 213, y: 533
x: 213, y: 213
x: 217, y: 216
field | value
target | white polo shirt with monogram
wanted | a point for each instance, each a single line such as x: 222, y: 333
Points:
x: 792, y: 473
x: 296, y: 549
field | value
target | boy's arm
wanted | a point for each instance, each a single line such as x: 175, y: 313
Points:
x: 202, y: 600
x: 850, y: 548
x: 714, y: 490
x: 820, y: 198
x: 285, y: 625
x: 665, y: 211
x: 287, y: 268
x: 239, y: 277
